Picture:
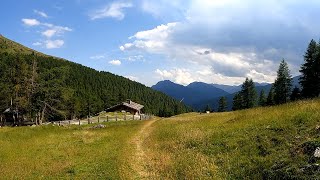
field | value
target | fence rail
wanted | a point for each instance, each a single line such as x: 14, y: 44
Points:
x: 100, y: 119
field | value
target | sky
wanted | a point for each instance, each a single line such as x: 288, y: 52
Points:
x: 212, y: 41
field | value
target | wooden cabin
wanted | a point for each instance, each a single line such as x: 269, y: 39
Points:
x: 128, y: 106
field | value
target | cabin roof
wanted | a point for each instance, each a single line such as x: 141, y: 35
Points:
x: 130, y: 104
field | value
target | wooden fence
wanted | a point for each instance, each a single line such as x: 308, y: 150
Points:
x: 100, y: 119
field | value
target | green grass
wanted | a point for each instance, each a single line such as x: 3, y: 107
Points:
x: 261, y: 143
x: 66, y: 152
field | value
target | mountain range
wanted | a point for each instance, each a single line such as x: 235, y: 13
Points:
x: 198, y: 94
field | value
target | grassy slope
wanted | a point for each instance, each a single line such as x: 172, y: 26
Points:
x: 274, y: 142
x: 68, y: 152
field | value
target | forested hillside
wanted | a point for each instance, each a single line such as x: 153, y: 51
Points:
x: 55, y: 89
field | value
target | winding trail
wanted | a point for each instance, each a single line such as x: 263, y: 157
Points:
x: 139, y: 162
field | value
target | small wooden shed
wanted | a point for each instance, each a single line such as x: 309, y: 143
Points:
x: 128, y: 106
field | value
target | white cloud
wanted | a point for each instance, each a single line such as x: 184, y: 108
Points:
x: 37, y: 44
x: 227, y: 46
x: 113, y: 10
x: 136, y: 58
x: 98, y: 57
x: 115, y: 62
x: 30, y: 22
x: 178, y: 75
x: 53, y: 44
x: 41, y: 13
x: 133, y: 78
x: 49, y: 33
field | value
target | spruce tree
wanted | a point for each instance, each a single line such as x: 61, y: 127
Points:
x: 222, y: 104
x: 262, y: 98
x: 237, y: 102
x: 296, y: 94
x: 248, y: 94
x: 309, y: 80
x: 270, y: 98
x: 282, y: 84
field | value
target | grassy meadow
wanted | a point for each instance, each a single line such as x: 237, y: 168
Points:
x: 71, y: 152
x: 261, y: 143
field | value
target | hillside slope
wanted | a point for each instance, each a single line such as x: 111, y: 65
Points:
x: 264, y: 143
x: 62, y: 89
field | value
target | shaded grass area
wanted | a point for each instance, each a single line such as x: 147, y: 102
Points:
x: 78, y: 152
x: 262, y: 143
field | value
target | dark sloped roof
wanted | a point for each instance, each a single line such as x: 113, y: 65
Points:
x: 129, y: 104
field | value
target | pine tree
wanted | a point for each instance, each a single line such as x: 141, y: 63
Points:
x: 248, y: 94
x: 222, y: 104
x: 282, y: 84
x: 262, y: 98
x: 237, y: 102
x: 270, y: 98
x: 296, y: 94
x: 309, y: 80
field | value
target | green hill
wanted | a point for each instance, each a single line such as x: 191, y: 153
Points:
x: 59, y: 89
x: 263, y: 143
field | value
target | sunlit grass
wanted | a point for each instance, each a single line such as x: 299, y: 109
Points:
x: 254, y: 144
x: 66, y: 152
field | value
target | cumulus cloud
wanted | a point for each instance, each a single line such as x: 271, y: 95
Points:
x: 232, y: 38
x: 49, y: 32
x: 41, y: 13
x: 53, y: 44
x: 115, y: 62
x: 178, y: 75
x: 30, y: 22
x: 113, y: 10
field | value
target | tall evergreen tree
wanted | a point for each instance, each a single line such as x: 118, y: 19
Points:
x: 248, y: 94
x: 309, y: 80
x: 222, y: 104
x: 270, y: 98
x: 237, y: 102
x: 296, y: 94
x: 282, y: 84
x: 262, y: 98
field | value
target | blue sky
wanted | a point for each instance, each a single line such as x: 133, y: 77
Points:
x: 213, y: 41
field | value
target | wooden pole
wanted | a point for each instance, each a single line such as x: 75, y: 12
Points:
x: 140, y: 117
x: 116, y: 118
x: 79, y: 122
x: 132, y: 117
x: 98, y: 119
x: 107, y: 118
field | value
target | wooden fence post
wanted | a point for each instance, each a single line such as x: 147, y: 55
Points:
x: 116, y: 118
x: 107, y: 118
x: 98, y: 119
x: 79, y: 122
x: 140, y: 117
x: 132, y: 117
